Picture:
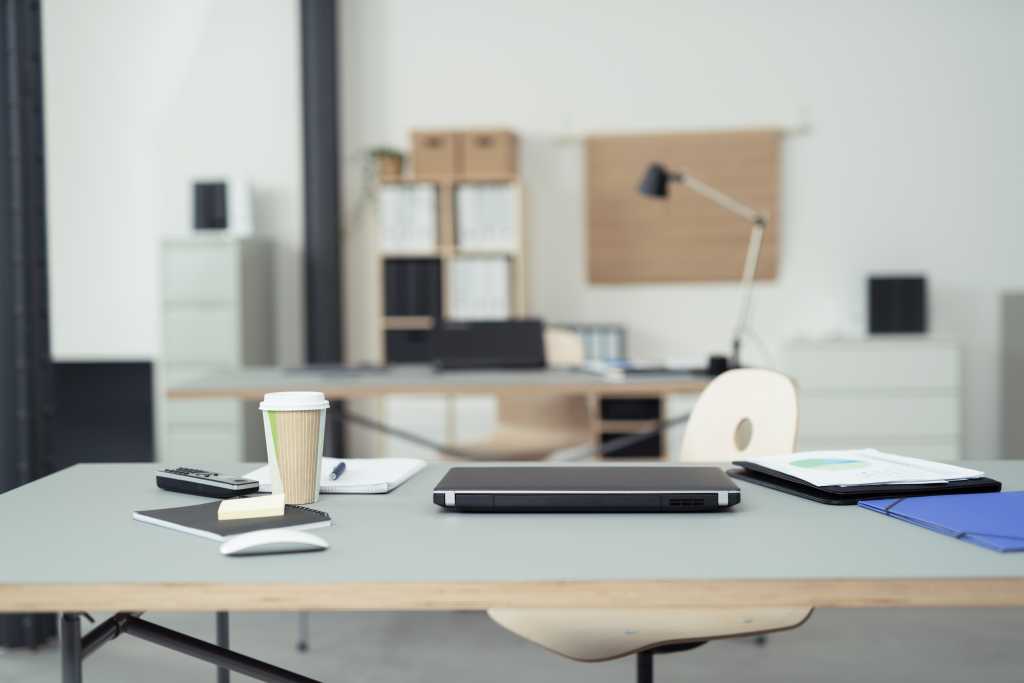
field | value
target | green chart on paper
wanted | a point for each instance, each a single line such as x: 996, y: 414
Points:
x: 829, y: 463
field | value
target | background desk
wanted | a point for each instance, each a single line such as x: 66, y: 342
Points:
x: 639, y: 400
x: 70, y: 544
x: 252, y: 383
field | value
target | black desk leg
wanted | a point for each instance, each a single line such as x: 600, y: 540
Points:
x: 645, y: 667
x: 223, y: 675
x: 71, y: 647
x: 74, y: 648
x: 303, y: 643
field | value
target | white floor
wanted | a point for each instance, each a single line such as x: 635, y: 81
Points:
x: 929, y: 646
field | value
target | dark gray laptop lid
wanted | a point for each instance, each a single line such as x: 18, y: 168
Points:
x: 617, y: 479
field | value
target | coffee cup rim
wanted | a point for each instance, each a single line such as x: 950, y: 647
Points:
x: 293, y: 400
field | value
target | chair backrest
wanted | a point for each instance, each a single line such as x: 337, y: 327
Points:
x: 742, y: 413
x: 563, y: 348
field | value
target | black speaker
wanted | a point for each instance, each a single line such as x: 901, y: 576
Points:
x: 210, y: 204
x: 897, y: 305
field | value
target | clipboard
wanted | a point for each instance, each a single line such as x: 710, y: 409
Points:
x: 851, y: 495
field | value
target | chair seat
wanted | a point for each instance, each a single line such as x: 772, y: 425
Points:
x: 596, y: 635
x: 521, y: 443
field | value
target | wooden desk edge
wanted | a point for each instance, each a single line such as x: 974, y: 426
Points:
x: 449, y: 596
x: 687, y: 386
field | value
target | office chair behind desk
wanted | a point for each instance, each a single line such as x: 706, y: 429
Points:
x: 531, y: 428
x: 741, y: 413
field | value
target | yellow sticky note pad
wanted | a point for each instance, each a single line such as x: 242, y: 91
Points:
x: 252, y: 507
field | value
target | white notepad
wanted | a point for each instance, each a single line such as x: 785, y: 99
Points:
x: 361, y: 475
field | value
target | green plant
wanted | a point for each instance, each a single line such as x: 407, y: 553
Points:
x: 385, y: 152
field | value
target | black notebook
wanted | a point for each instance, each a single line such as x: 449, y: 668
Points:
x: 201, y: 520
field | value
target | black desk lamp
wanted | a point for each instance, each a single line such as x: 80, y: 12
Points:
x: 655, y: 184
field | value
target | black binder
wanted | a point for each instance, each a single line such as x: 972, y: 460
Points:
x: 851, y: 495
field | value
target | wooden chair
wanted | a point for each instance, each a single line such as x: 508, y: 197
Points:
x: 742, y: 413
x: 532, y: 427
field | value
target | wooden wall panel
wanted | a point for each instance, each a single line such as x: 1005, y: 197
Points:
x: 685, y: 237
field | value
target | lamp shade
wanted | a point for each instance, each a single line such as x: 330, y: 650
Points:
x: 655, y: 182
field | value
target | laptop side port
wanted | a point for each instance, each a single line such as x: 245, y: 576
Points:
x: 683, y: 503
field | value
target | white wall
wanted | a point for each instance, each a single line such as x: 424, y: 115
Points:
x: 142, y: 96
x: 913, y: 160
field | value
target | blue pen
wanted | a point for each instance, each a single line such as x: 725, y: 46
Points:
x: 336, y: 472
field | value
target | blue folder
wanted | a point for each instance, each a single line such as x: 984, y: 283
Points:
x: 991, y: 520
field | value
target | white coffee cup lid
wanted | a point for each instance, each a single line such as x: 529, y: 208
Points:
x: 294, y: 400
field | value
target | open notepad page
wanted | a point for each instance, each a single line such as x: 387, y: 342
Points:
x: 863, y: 467
x: 361, y: 475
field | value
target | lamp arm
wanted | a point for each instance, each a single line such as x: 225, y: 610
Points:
x: 749, y: 271
x: 720, y: 198
x: 753, y: 251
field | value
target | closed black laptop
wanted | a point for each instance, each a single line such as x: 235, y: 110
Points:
x: 668, y: 488
x: 489, y: 344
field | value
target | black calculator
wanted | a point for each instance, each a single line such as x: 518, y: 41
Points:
x: 204, y: 483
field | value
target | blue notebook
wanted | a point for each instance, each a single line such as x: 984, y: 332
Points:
x: 991, y: 520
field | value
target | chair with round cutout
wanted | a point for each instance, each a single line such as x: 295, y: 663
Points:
x: 741, y: 413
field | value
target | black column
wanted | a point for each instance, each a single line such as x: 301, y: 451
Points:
x: 322, y: 181
x: 321, y: 150
x: 26, y: 395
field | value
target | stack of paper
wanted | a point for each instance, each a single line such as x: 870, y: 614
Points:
x: 361, y: 475
x: 618, y: 370
x: 863, y: 468
x: 486, y: 216
x: 480, y: 288
x: 602, y: 343
x: 408, y: 217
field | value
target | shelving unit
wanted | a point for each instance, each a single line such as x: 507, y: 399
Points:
x: 404, y: 333
x: 618, y: 417
x: 405, y: 325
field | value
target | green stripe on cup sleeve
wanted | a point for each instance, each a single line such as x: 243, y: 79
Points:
x: 272, y: 416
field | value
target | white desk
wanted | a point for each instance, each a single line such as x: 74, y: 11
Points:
x: 71, y: 545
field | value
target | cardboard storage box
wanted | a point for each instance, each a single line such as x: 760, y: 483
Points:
x: 490, y: 154
x: 436, y: 154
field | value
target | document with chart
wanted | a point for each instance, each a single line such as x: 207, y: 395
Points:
x: 863, y: 467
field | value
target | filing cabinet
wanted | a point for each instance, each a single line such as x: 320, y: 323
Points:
x: 216, y: 314
x: 898, y: 394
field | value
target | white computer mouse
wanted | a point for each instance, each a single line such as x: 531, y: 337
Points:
x: 272, y: 541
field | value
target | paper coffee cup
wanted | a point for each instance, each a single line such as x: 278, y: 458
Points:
x: 293, y: 424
